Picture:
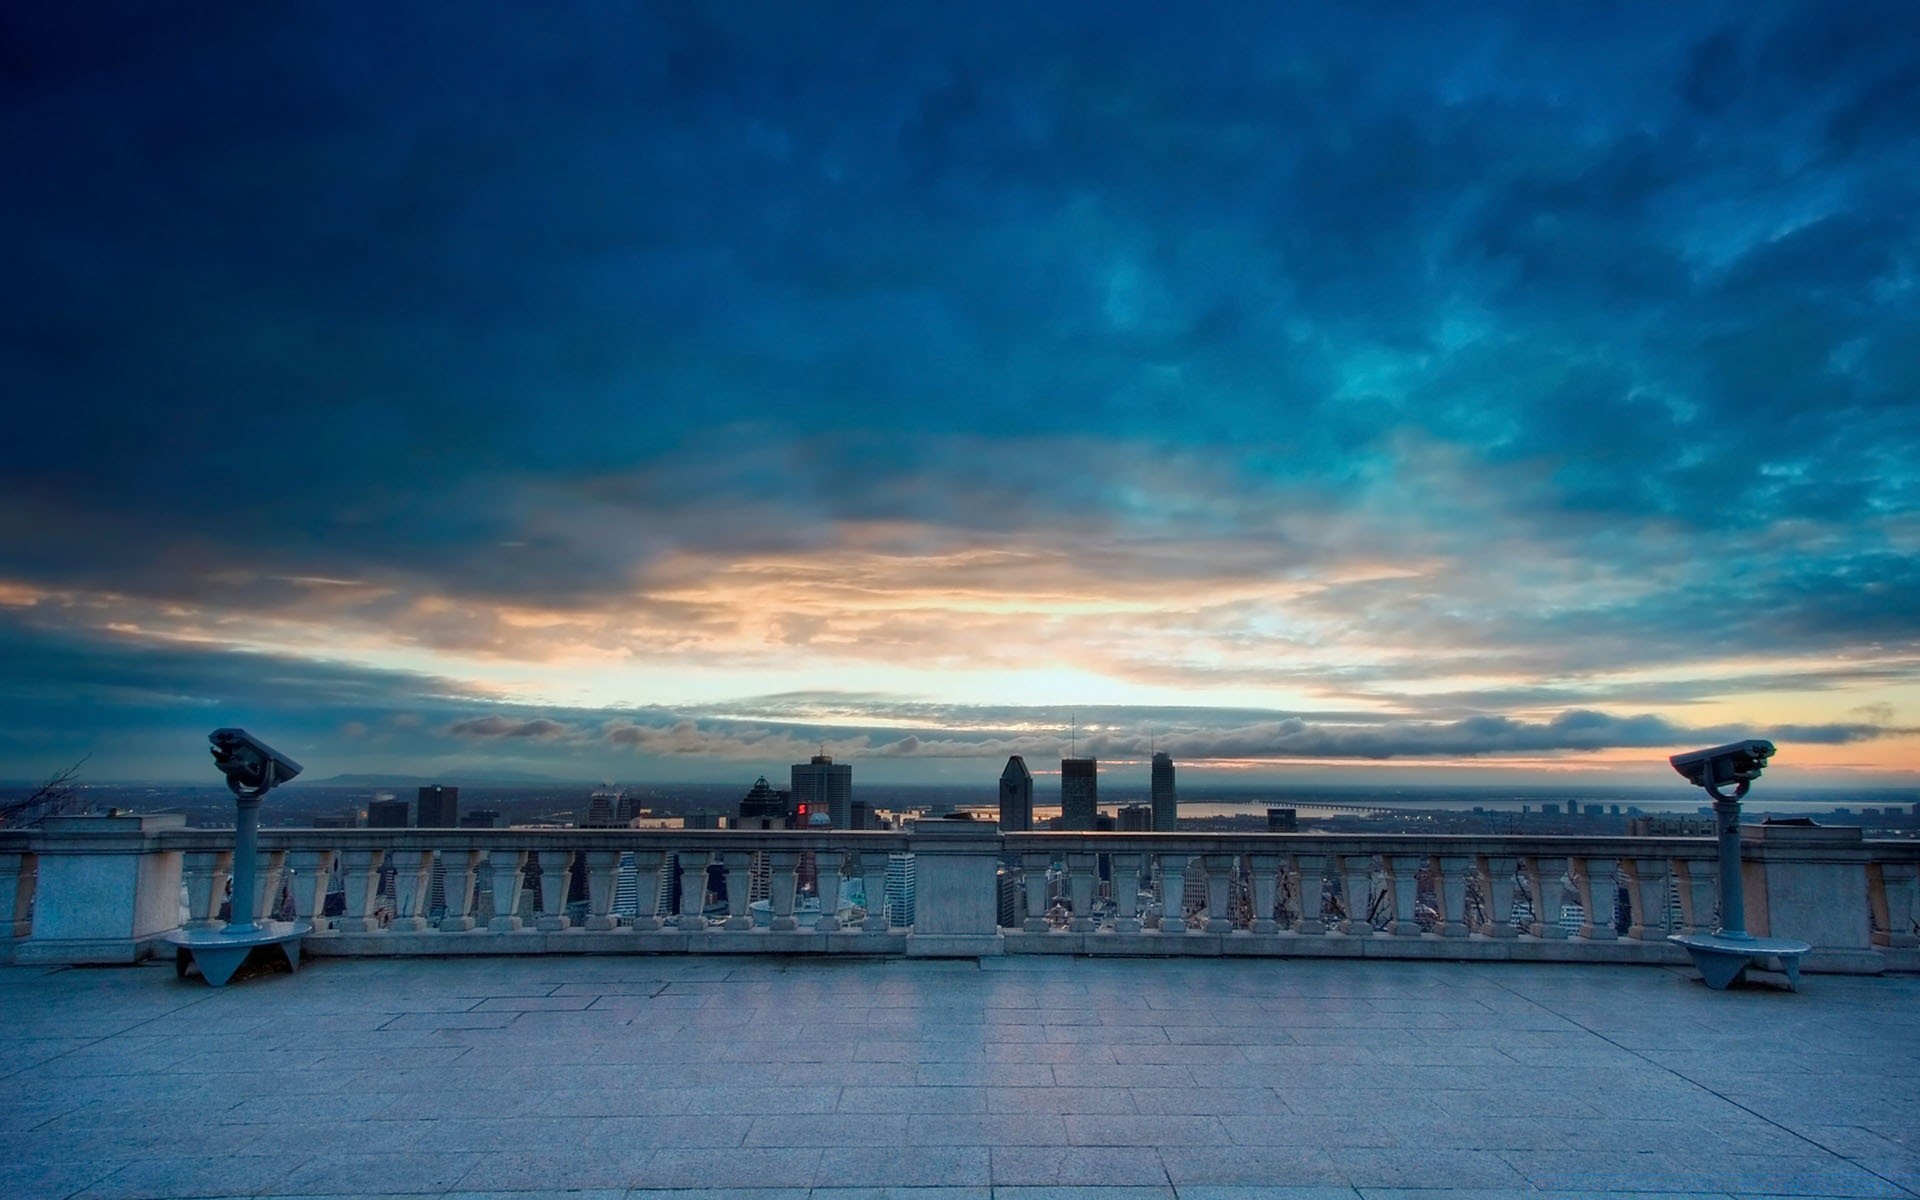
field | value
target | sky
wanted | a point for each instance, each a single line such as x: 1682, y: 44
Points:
x: 1356, y: 392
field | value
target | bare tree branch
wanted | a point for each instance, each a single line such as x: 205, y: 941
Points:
x: 49, y: 798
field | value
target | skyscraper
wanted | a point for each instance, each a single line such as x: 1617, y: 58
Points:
x: 1079, y: 793
x: 438, y: 808
x: 1016, y: 797
x: 764, y: 808
x: 386, y: 814
x: 1166, y: 801
x: 824, y: 786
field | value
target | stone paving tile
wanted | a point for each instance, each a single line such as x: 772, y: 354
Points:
x: 889, y: 1166
x: 913, y: 1099
x: 1269, y: 1166
x: 168, y: 1178
x: 791, y: 1167
x: 602, y: 1165
x: 1084, y: 1167
x: 968, y: 1129
x: 1247, y: 1192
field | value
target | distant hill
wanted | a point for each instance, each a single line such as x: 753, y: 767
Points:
x: 428, y: 780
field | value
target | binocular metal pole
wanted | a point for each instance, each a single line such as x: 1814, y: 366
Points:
x: 246, y: 843
x: 1733, y: 893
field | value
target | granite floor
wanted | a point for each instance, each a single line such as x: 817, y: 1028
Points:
x: 602, y: 1078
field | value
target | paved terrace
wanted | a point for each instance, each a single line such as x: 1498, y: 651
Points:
x: 954, y: 1080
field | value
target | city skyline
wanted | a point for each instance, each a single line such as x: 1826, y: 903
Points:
x: 1359, y: 393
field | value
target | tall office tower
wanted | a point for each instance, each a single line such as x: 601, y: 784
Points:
x: 386, y: 814
x: 1079, y: 793
x: 764, y: 808
x: 823, y: 786
x: 1136, y: 818
x: 1166, y: 801
x: 1016, y: 797
x: 600, y: 811
x: 626, y: 887
x: 438, y: 808
x: 902, y: 890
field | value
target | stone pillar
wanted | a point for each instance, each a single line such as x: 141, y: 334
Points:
x: 205, y: 872
x: 1545, y: 880
x: 1173, y: 894
x: 1033, y: 881
x: 650, y: 911
x: 411, y: 889
x: 1082, y: 874
x: 1699, y: 880
x: 1890, y: 885
x: 956, y: 914
x: 693, y: 891
x: 827, y: 864
x: 785, y: 865
x: 16, y: 897
x: 509, y: 869
x: 602, y: 866
x: 1594, y: 877
x: 361, y: 870
x: 739, y: 890
x: 1403, y: 881
x: 873, y: 884
x: 556, y: 876
x: 1647, y: 885
x: 312, y: 870
x: 1266, y: 869
x: 1452, y: 876
x: 105, y: 893
x: 1357, y: 871
x: 460, y: 867
x: 1219, y: 868
x: 1498, y: 871
x: 1126, y: 893
x: 1310, y: 880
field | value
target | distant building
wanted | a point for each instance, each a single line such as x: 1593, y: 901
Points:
x: 821, y: 785
x: 1079, y: 793
x: 1135, y: 818
x: 862, y: 816
x: 628, y: 809
x: 480, y: 818
x: 1016, y: 797
x: 438, y: 808
x: 1670, y: 826
x: 764, y: 808
x: 601, y: 811
x: 1283, y: 820
x: 902, y: 890
x: 386, y: 814
x: 1166, y: 800
x: 346, y: 820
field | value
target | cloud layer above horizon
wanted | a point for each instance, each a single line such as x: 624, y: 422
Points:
x: 613, y: 390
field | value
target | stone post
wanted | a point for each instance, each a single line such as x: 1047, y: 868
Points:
x: 556, y: 876
x: 1357, y: 871
x: 1310, y: 892
x: 1452, y: 877
x: 460, y: 867
x: 1173, y: 894
x: 1498, y: 871
x: 270, y: 875
x: 1891, y: 886
x: 1219, y: 876
x: 739, y: 890
x: 785, y: 865
x: 312, y: 870
x: 509, y: 869
x: 827, y: 864
x: 602, y: 866
x: 360, y: 868
x: 956, y: 912
x: 873, y: 884
x: 16, y: 900
x: 1266, y: 869
x: 693, y: 891
x: 1545, y: 878
x: 1647, y: 888
x: 1126, y: 893
x: 1594, y: 876
x: 411, y: 889
x: 106, y: 892
x: 1403, y: 880
x: 1082, y: 874
x: 1033, y: 881
x: 205, y: 872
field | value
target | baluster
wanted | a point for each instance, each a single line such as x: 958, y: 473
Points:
x: 1647, y: 890
x: 509, y: 869
x: 602, y: 867
x: 1173, y: 894
x: 459, y: 867
x: 739, y: 864
x: 1594, y: 877
x: 1082, y: 874
x: 1545, y: 879
x: 205, y: 873
x: 269, y: 877
x: 1311, y: 891
x: 1890, y: 887
x: 17, y: 872
x: 312, y: 871
x: 1126, y: 893
x: 693, y: 891
x: 411, y: 889
x: 785, y: 863
x: 1033, y: 877
x: 556, y: 877
x: 1403, y: 882
x: 873, y: 882
x: 1357, y: 871
x: 361, y: 869
x: 827, y: 864
x: 1699, y: 880
x: 1498, y: 872
x: 1219, y: 869
x: 1451, y: 881
x: 1266, y: 869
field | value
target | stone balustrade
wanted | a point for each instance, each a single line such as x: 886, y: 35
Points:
x: 105, y: 889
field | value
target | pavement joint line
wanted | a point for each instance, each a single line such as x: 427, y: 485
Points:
x: 1711, y: 1091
